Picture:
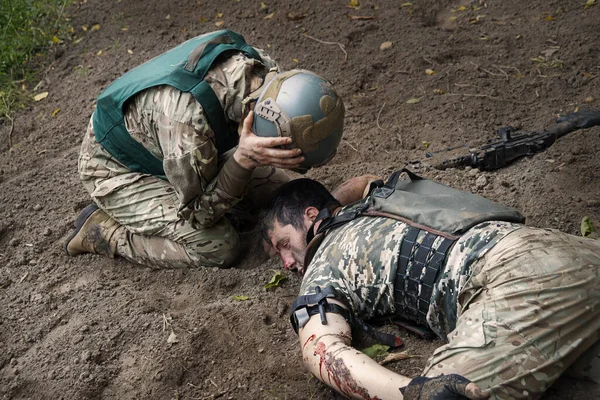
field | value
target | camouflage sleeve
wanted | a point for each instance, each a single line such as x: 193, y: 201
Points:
x: 180, y: 130
x: 266, y: 59
x: 191, y: 165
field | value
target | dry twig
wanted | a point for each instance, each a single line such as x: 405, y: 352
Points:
x: 509, y: 67
x: 342, y: 47
x: 23, y: 277
x: 353, y: 148
x: 396, y: 357
x: 503, y: 72
x: 378, y: 114
x: 488, y: 72
x: 10, y: 131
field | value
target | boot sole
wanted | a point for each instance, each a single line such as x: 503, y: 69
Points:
x: 79, y: 221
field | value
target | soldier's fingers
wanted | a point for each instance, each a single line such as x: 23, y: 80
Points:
x: 278, y: 153
x: 273, y: 141
x: 247, y: 127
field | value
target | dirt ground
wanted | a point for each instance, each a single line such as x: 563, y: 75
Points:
x: 89, y: 327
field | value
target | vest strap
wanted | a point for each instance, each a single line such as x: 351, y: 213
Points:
x: 131, y: 153
x: 331, y: 222
x: 198, y: 52
x: 225, y: 138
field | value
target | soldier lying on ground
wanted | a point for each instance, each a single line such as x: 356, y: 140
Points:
x: 516, y: 305
x: 164, y: 162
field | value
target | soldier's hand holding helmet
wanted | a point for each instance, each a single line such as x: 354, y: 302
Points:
x: 254, y: 151
x: 298, y: 111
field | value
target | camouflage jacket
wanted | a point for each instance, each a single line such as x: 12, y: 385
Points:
x: 359, y: 259
x: 173, y: 127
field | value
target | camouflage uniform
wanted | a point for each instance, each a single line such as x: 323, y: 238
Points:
x: 517, y: 305
x: 180, y: 222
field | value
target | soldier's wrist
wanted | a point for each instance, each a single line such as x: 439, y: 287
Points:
x: 243, y: 161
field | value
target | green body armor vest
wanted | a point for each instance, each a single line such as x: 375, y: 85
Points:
x: 183, y: 67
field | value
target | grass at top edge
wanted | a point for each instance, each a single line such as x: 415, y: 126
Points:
x: 28, y: 28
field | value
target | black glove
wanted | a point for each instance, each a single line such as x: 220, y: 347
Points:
x: 445, y: 387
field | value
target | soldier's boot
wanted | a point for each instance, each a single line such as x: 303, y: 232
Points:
x: 94, y: 233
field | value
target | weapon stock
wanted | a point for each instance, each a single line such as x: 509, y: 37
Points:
x: 513, y: 145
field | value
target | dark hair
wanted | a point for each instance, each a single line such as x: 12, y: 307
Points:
x: 289, y: 202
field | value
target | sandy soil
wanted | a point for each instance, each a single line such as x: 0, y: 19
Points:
x: 89, y: 327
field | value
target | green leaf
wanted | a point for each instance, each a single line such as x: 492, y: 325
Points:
x: 414, y: 100
x: 241, y: 298
x: 275, y: 280
x: 587, y: 228
x: 376, y: 350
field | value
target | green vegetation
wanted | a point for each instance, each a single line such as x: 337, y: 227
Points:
x: 27, y: 28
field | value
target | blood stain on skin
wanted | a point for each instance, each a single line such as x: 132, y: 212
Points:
x: 320, y: 351
x: 310, y: 338
x: 339, y: 373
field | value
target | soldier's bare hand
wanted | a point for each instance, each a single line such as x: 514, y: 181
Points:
x: 254, y: 151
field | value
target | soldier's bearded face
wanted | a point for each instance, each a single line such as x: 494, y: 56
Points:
x: 290, y: 245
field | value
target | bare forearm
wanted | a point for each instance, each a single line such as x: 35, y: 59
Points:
x: 354, y: 374
x: 353, y: 189
x: 328, y: 355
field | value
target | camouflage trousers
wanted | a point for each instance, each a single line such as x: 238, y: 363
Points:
x: 530, y: 311
x: 151, y: 232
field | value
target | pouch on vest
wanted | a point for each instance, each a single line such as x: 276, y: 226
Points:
x: 433, y: 205
x: 183, y: 67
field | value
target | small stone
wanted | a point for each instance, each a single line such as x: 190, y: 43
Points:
x: 47, y: 232
x: 481, y: 182
x: 593, y: 203
x: 51, y: 375
x: 261, y: 350
x: 86, y: 355
x: 84, y: 328
x: 35, y: 297
x: 13, y: 361
x: 37, y: 207
x: 13, y: 242
x: 474, y: 172
x: 386, y: 46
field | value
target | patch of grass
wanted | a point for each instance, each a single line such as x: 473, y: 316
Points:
x: 27, y: 29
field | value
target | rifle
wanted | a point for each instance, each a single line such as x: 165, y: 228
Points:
x: 513, y: 145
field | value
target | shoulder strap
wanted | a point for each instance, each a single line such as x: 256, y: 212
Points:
x: 329, y: 222
x: 208, y: 52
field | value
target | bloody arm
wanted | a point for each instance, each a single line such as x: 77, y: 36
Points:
x: 327, y: 353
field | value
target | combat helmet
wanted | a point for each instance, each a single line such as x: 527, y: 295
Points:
x: 302, y: 105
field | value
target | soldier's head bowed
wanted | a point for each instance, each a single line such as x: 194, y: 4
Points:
x: 289, y: 216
